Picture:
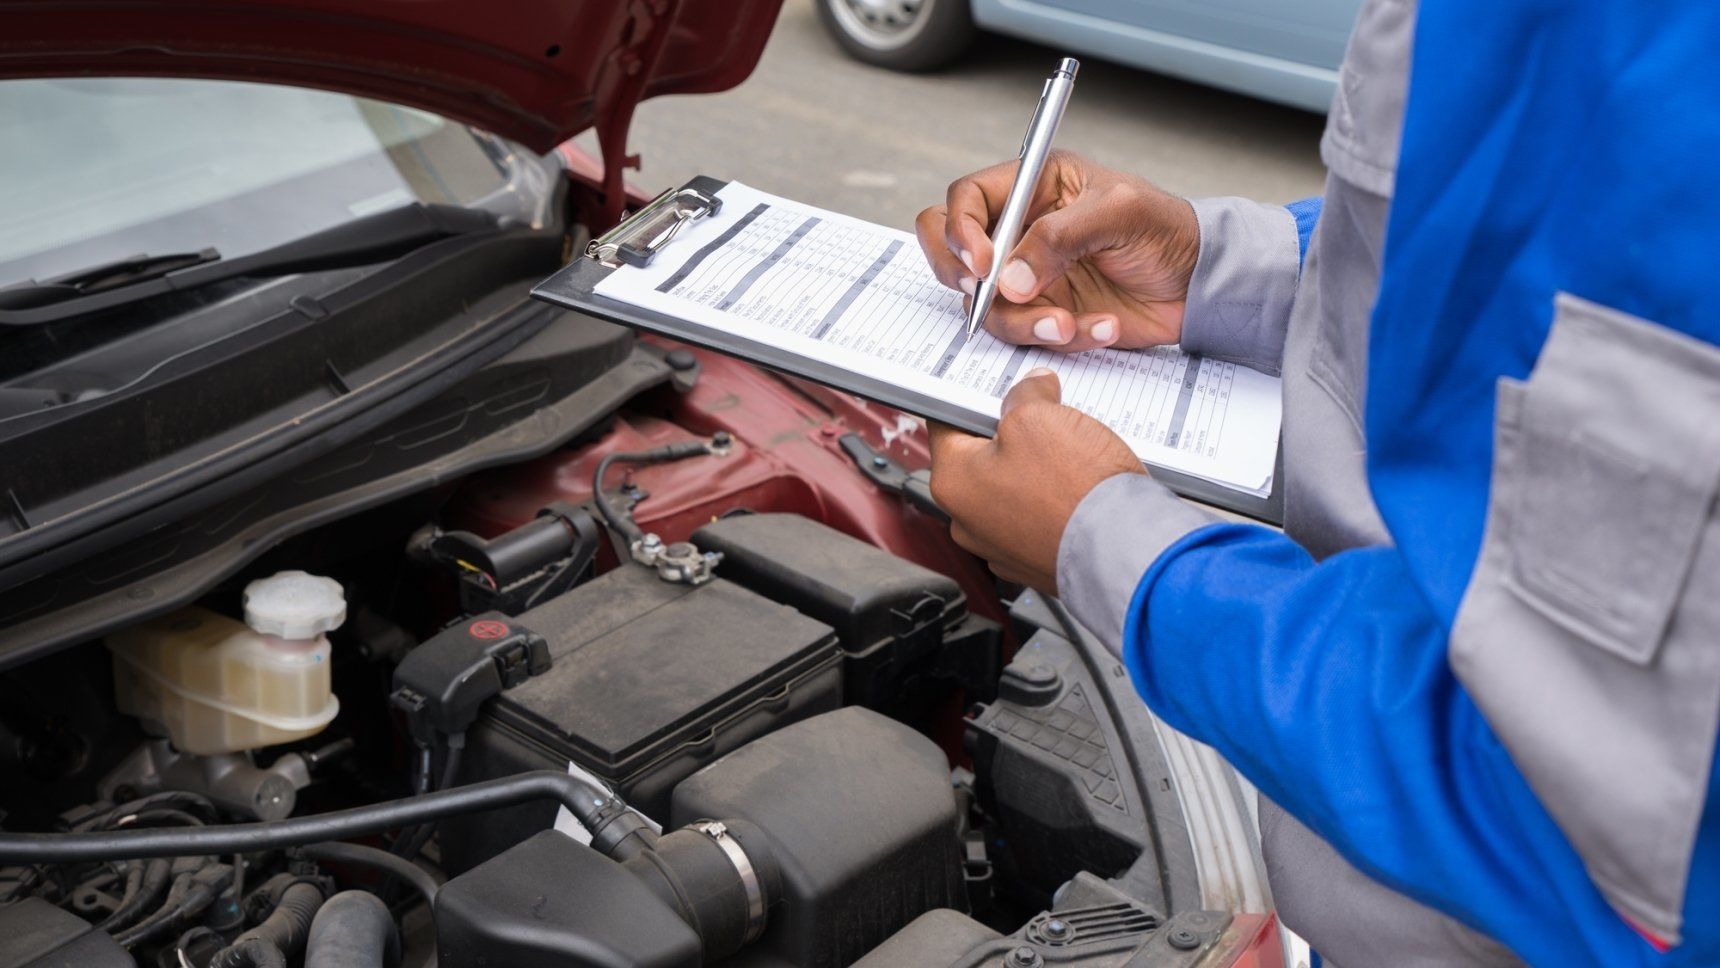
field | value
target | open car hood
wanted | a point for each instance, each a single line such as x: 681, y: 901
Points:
x: 534, y: 71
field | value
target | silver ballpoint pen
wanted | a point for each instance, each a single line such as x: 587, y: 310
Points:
x: 1035, y: 148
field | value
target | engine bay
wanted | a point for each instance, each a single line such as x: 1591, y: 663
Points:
x: 674, y: 693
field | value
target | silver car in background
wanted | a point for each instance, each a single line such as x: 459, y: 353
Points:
x: 1286, y: 51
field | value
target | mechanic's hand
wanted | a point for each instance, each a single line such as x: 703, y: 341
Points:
x: 1010, y: 498
x: 1104, y: 259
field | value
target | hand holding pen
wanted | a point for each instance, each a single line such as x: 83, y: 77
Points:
x: 1104, y: 258
x: 1030, y: 163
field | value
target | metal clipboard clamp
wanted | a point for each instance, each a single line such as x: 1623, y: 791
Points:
x: 638, y: 238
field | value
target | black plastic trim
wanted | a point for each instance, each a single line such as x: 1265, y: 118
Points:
x: 164, y: 583
x: 137, y: 508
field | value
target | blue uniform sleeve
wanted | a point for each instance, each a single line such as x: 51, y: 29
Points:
x: 1306, y: 212
x: 1327, y: 685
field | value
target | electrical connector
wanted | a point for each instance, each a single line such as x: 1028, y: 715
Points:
x: 441, y: 683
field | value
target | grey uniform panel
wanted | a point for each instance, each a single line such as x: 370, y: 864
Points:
x: 1327, y: 504
x: 1244, y: 282
x: 1366, y: 121
x: 1587, y: 634
x: 1385, y: 927
x: 1116, y: 532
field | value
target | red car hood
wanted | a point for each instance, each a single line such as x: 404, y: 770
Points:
x: 535, y: 71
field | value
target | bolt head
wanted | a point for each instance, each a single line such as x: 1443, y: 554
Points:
x: 1183, y: 939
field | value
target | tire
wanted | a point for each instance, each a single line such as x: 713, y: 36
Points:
x: 901, y: 35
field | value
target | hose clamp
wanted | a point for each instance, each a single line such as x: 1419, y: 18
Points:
x: 719, y: 833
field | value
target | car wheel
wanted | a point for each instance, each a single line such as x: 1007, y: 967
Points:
x: 902, y: 35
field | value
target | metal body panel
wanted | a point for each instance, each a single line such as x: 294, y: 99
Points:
x: 1249, y: 47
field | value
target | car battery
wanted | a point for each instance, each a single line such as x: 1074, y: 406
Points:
x: 648, y: 681
x: 891, y: 615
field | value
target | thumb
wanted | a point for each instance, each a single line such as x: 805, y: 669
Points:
x: 1040, y: 385
x: 1055, y: 240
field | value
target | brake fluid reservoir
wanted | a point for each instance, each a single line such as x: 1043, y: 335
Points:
x: 214, y: 685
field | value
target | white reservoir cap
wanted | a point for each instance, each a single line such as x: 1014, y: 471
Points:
x: 294, y: 605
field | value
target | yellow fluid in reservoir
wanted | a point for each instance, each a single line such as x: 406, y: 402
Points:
x: 215, y: 685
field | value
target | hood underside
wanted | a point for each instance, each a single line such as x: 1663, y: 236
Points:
x: 534, y: 71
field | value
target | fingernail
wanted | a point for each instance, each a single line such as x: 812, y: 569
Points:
x: 968, y: 284
x: 967, y: 260
x: 1039, y: 371
x: 1046, y: 331
x: 1016, y: 276
x: 1105, y: 330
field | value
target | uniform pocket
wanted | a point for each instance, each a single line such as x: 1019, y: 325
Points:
x: 1619, y: 464
x: 1589, y: 635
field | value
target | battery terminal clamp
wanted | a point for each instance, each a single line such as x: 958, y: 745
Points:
x: 681, y: 562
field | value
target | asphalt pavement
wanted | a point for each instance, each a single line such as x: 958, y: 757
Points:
x: 814, y: 125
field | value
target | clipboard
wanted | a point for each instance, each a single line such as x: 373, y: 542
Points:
x: 637, y: 241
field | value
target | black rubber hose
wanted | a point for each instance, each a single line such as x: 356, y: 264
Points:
x: 197, y: 946
x: 1071, y: 628
x: 284, y: 931
x: 611, y: 823
x: 251, y: 953
x: 359, y: 855
x: 353, y: 930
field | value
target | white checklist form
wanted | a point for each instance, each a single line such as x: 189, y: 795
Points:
x: 861, y: 297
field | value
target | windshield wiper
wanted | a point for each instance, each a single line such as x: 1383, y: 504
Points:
x: 101, y: 278
x: 373, y: 238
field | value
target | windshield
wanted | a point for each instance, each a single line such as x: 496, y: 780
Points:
x: 101, y: 169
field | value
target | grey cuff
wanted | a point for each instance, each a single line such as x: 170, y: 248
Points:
x: 1244, y: 282
x: 1119, y: 529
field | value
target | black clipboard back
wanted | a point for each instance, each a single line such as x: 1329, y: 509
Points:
x: 573, y: 287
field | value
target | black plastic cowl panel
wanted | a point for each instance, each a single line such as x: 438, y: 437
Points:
x: 272, y: 393
x: 551, y: 383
